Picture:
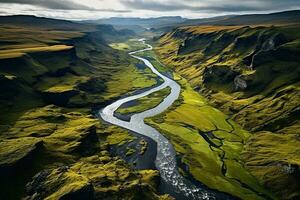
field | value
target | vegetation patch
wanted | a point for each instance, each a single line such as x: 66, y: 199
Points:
x: 128, y: 45
x: 99, y: 177
x: 209, y: 143
x: 144, y: 103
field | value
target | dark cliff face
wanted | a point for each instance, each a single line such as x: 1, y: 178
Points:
x: 240, y: 50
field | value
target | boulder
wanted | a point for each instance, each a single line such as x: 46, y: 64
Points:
x: 240, y: 83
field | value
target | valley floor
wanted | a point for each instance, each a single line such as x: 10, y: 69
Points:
x: 207, y: 142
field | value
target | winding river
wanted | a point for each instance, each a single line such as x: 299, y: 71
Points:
x: 166, y: 157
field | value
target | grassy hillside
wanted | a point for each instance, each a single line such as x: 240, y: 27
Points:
x: 52, y: 80
x: 252, y: 74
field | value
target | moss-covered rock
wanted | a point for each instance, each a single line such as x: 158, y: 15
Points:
x: 93, y: 85
x: 60, y: 98
x: 275, y: 160
x: 60, y: 183
x: 17, y: 152
x: 94, y: 178
x: 217, y: 74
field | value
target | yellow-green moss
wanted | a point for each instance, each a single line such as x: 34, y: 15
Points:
x: 146, y: 102
x: 189, y: 125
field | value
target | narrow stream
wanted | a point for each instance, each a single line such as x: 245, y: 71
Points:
x: 166, y: 156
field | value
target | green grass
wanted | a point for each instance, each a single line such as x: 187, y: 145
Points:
x: 145, y: 103
x: 60, y: 84
x: 187, y: 126
x: 116, y: 136
x: 13, y: 53
x: 128, y: 80
x: 128, y: 45
x: 150, y: 55
x: 120, y: 46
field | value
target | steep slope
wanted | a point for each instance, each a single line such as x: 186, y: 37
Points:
x: 252, y: 74
x: 51, y: 144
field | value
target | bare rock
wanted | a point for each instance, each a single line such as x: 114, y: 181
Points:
x: 240, y: 83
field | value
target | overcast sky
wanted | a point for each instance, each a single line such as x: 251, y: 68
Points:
x: 94, y: 9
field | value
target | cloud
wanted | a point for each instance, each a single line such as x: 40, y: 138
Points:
x: 61, y: 5
x: 50, y: 4
x: 211, y: 5
x: 93, y: 9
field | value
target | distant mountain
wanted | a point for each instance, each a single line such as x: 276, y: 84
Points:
x: 286, y: 17
x: 110, y: 34
x: 107, y: 31
x: 41, y: 22
x: 144, y: 22
x: 272, y: 18
x: 166, y: 28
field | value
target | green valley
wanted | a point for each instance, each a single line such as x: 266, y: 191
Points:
x: 149, y: 108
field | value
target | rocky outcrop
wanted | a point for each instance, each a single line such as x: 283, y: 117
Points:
x: 61, y: 183
x: 15, y: 153
x: 218, y: 74
x: 291, y: 169
x: 59, y: 98
x: 274, y: 160
x: 85, y: 144
x: 32, y: 65
x: 93, y: 85
x: 240, y: 83
x: 9, y: 87
x: 96, y: 177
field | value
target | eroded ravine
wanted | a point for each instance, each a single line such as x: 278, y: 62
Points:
x: 166, y: 157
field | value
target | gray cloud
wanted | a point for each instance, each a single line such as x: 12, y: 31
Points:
x: 50, y: 4
x: 60, y: 5
x: 87, y: 9
x: 212, y: 5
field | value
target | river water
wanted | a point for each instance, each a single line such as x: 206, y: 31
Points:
x: 165, y: 162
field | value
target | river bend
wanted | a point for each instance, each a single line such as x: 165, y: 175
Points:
x: 166, y: 157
